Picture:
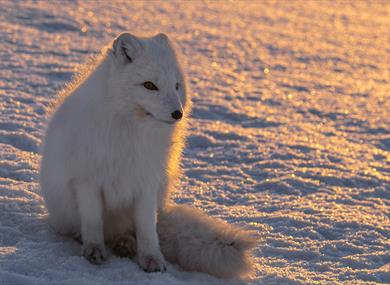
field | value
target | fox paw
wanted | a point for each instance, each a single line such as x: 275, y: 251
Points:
x: 95, y: 254
x: 77, y: 237
x: 124, y: 246
x: 151, y: 263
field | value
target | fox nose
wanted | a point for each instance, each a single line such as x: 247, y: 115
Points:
x: 177, y: 115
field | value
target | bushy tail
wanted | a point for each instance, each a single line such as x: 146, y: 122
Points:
x: 198, y: 242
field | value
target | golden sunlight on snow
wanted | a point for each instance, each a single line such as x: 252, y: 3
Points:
x: 289, y: 135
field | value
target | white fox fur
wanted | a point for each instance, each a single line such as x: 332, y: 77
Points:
x: 111, y: 154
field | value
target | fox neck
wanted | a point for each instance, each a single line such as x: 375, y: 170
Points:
x: 94, y: 85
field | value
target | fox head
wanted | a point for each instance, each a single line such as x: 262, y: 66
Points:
x: 145, y: 76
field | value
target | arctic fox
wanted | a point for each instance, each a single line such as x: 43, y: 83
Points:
x: 111, y: 154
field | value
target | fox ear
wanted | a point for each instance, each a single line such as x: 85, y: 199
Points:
x: 163, y: 38
x: 127, y: 47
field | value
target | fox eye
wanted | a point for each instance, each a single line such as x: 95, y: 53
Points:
x: 150, y: 85
x: 177, y: 86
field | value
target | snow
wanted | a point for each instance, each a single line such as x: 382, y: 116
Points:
x: 290, y: 133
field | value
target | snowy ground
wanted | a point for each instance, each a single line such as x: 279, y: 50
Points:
x: 290, y: 132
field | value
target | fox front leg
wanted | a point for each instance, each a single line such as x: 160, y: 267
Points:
x: 90, y: 206
x: 150, y: 258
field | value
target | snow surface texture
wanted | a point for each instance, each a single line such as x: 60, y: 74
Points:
x: 290, y: 132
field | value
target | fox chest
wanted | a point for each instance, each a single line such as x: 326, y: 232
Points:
x: 132, y: 168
